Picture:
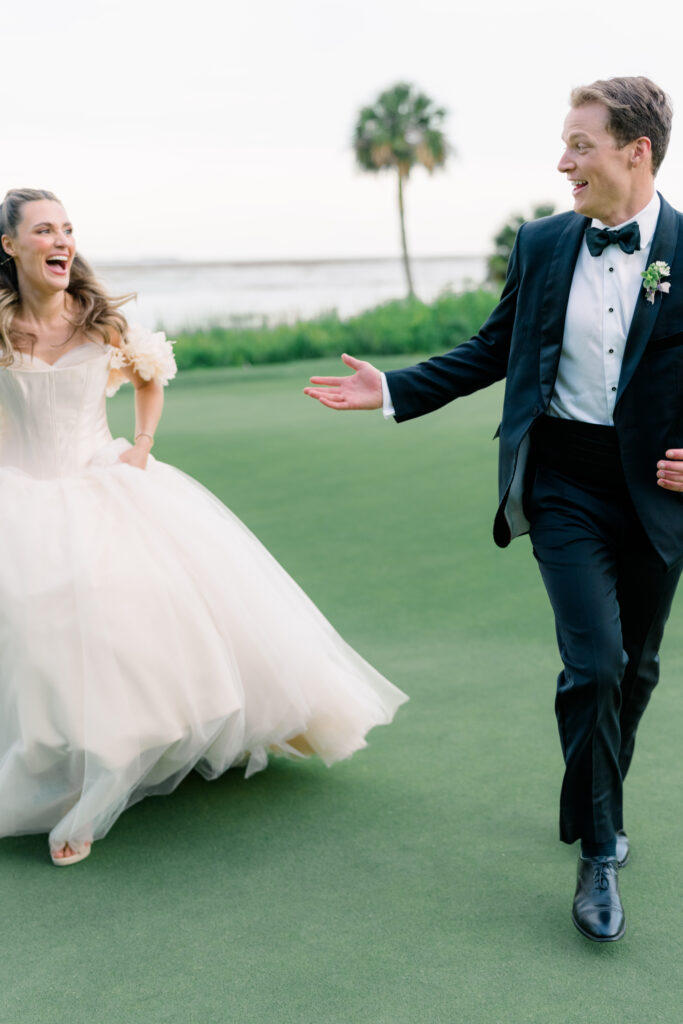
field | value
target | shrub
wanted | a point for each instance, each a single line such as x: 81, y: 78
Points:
x: 405, y: 325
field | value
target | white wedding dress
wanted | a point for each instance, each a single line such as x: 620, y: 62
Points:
x: 144, y: 631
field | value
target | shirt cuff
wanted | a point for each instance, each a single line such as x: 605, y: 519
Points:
x: 387, y: 405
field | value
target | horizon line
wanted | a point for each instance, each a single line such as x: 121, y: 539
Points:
x: 178, y: 262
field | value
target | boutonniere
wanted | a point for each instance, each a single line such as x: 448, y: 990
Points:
x: 652, y: 279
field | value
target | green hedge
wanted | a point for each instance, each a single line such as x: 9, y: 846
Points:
x: 395, y: 327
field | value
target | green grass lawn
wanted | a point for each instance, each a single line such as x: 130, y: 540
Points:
x: 423, y: 880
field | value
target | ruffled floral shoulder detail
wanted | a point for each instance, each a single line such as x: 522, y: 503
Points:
x: 147, y: 352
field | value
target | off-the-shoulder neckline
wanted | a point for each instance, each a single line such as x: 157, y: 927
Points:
x: 26, y: 361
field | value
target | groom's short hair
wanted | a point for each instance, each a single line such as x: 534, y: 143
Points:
x: 636, y: 107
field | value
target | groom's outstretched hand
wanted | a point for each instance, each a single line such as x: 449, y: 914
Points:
x: 670, y: 470
x: 359, y: 390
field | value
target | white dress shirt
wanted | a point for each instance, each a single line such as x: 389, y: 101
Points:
x: 602, y: 300
x: 387, y: 405
x: 601, y: 303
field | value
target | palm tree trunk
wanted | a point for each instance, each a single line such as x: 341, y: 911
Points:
x: 404, y: 245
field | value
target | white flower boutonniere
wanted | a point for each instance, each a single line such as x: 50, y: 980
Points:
x: 652, y: 279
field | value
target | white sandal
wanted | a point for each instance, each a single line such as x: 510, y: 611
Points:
x: 80, y: 852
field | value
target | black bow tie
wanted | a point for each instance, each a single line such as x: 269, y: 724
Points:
x: 627, y: 238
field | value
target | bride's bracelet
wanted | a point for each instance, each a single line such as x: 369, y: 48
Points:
x: 143, y: 433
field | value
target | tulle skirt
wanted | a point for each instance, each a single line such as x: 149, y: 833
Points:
x: 144, y: 632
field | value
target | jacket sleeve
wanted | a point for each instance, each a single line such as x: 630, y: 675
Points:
x: 473, y: 365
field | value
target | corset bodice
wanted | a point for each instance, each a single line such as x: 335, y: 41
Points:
x: 53, y: 416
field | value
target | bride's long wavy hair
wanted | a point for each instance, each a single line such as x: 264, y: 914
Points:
x: 94, y: 311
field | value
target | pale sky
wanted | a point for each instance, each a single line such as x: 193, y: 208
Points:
x: 207, y: 130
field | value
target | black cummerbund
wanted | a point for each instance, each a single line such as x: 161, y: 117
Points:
x: 589, y: 452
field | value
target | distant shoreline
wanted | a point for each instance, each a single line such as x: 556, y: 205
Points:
x: 180, y: 264
x: 177, y: 293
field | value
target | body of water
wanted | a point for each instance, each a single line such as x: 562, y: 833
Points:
x: 193, y: 294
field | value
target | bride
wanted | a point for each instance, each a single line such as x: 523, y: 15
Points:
x: 144, y: 631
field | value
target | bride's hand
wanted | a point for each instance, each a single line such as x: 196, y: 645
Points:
x: 136, y: 456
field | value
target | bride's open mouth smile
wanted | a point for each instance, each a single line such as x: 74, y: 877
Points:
x: 58, y: 264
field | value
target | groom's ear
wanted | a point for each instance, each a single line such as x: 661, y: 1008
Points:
x: 641, y: 151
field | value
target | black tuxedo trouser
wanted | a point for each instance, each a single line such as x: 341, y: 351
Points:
x: 611, y: 595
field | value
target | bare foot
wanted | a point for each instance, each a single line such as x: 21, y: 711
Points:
x: 70, y: 853
x: 66, y: 851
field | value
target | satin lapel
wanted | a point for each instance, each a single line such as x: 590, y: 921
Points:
x: 556, y: 296
x: 663, y: 248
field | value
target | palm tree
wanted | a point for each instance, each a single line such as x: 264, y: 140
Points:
x: 402, y: 128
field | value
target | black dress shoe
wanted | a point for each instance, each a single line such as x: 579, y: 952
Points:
x: 597, y: 910
x: 623, y: 848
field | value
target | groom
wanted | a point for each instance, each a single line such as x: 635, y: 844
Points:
x: 591, y: 445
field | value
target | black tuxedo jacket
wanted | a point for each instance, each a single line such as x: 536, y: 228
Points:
x: 522, y: 340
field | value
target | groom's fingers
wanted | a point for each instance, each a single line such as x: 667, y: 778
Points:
x: 328, y: 399
x: 670, y: 473
x: 328, y: 394
x: 317, y: 392
x: 328, y: 381
x: 351, y: 361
